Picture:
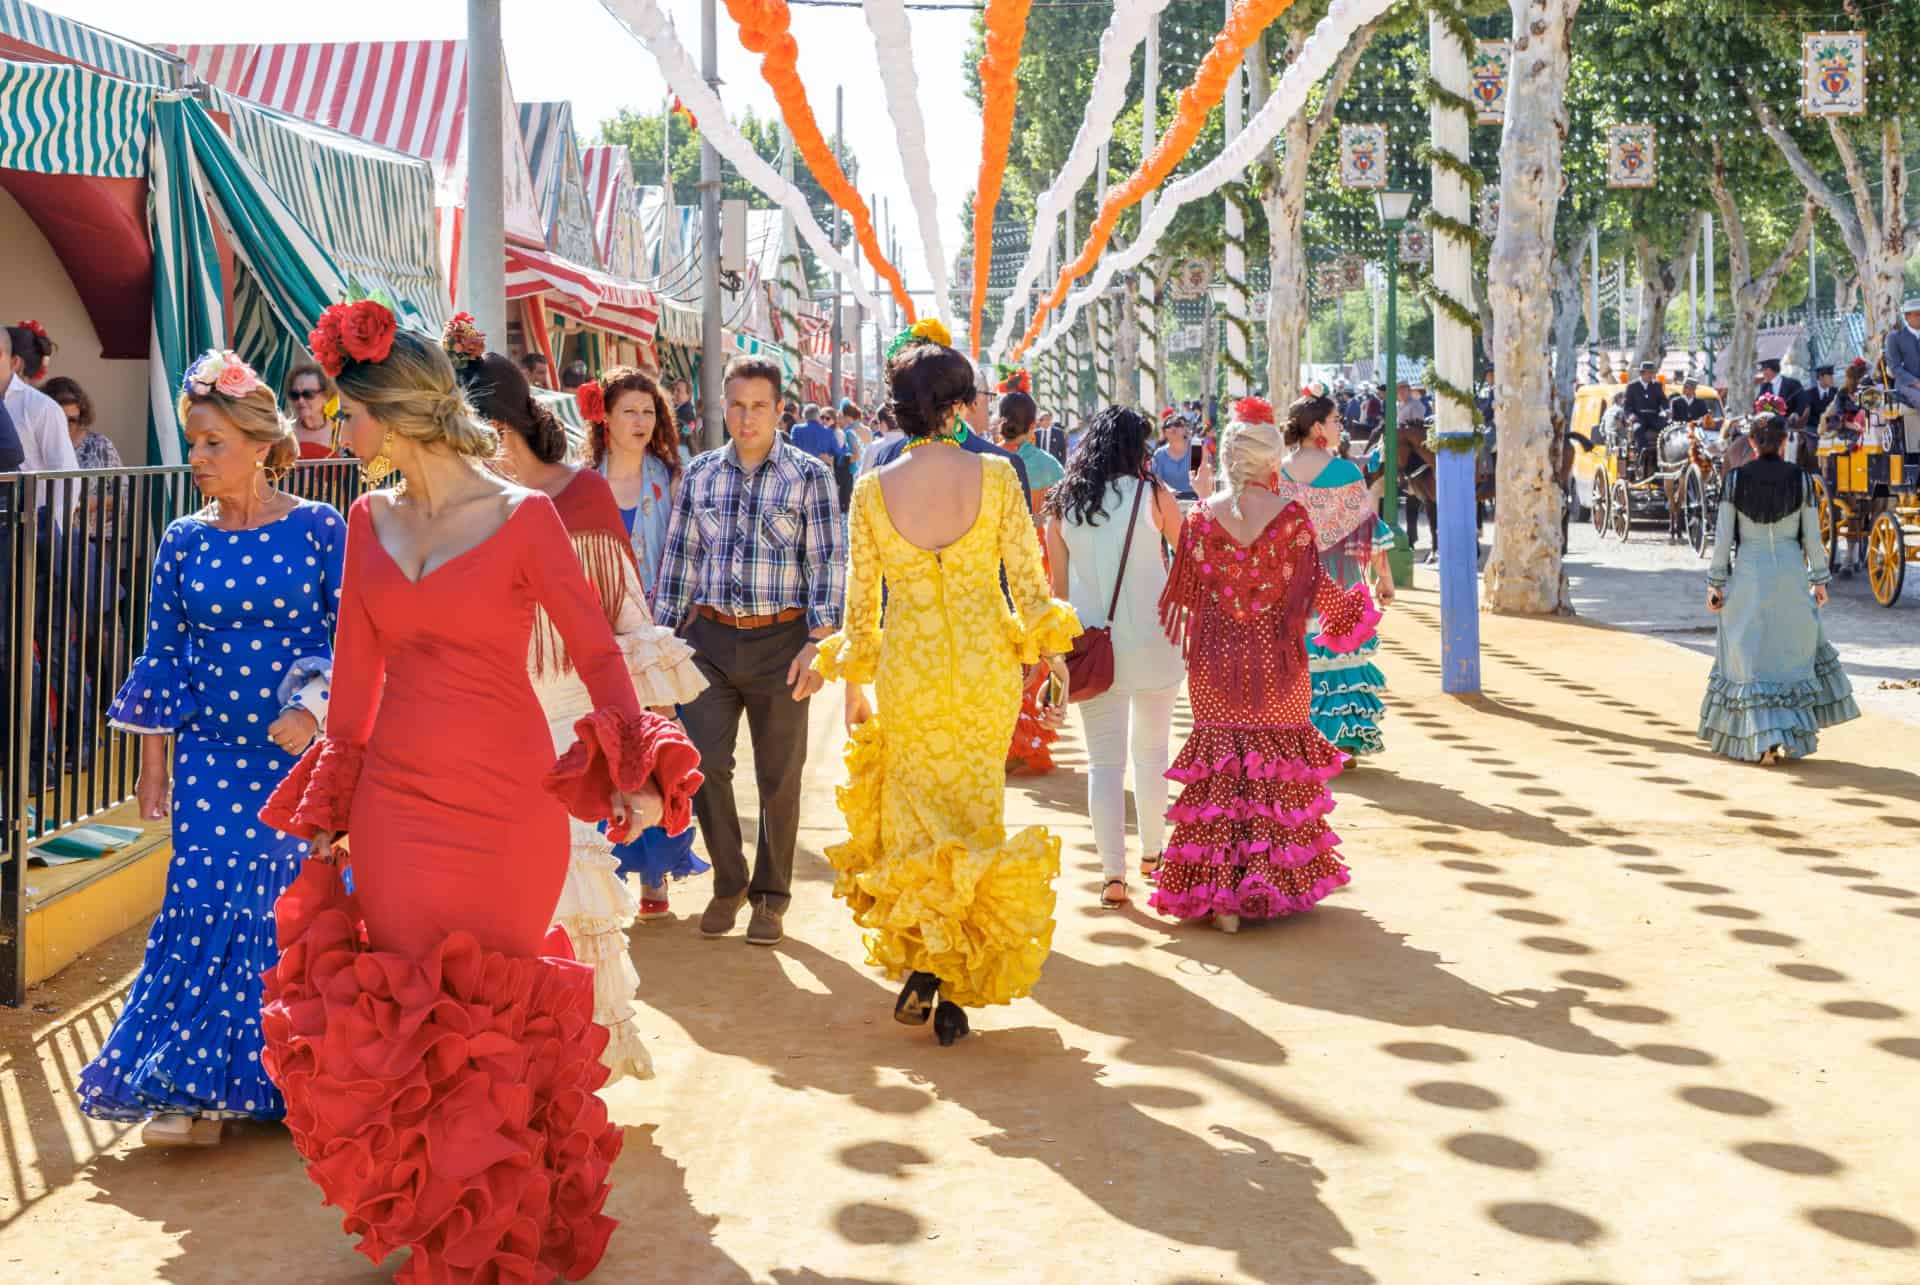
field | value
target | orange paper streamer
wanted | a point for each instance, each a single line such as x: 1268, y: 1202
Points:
x: 1243, y: 26
x: 1006, y: 24
x: 764, y: 30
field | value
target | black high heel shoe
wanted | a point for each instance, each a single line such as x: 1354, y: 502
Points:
x: 950, y: 1023
x: 916, y: 1001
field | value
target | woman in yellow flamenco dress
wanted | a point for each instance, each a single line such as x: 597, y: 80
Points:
x: 950, y: 901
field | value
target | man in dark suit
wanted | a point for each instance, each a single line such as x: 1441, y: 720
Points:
x: 1646, y: 407
x: 1768, y: 379
x: 1689, y: 407
x: 1813, y: 403
x: 1050, y: 437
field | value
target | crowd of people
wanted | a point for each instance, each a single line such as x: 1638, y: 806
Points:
x: 426, y: 764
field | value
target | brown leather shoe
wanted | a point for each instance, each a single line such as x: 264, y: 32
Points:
x: 718, y: 918
x: 764, y: 928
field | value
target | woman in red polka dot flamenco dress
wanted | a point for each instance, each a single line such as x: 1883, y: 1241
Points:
x: 1250, y: 837
x: 434, y: 1042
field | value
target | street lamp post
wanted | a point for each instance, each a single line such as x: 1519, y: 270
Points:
x: 1393, y: 208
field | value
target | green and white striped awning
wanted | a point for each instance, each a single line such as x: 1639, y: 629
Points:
x: 372, y: 208
x: 90, y: 46
x: 56, y: 118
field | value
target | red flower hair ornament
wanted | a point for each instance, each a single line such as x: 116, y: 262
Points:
x: 350, y: 332
x: 1253, y: 410
x: 592, y: 400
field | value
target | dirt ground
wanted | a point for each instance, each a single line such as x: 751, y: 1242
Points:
x: 1597, y: 1008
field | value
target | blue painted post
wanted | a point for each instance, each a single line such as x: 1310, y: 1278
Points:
x: 1459, y: 574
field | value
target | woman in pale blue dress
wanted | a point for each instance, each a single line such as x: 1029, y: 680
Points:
x: 1347, y: 708
x: 1776, y: 680
x: 636, y: 447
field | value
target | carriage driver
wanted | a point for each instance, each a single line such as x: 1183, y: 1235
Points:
x: 1646, y: 406
x: 1903, y: 354
x: 1688, y: 407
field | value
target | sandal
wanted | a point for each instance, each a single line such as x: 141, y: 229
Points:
x: 1149, y: 866
x: 917, y: 999
x: 654, y: 907
x: 1109, y: 901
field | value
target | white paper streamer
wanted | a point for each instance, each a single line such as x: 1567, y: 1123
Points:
x: 650, y: 26
x: 1289, y: 98
x: 887, y: 19
x: 1128, y: 27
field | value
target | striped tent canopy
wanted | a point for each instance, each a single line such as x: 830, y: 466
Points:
x: 56, y: 118
x: 607, y: 172
x: 371, y: 207
x: 585, y: 294
x: 553, y: 152
x: 407, y: 95
x: 90, y: 47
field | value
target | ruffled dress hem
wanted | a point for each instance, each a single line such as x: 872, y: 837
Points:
x: 445, y: 1104
x: 975, y: 910
x: 1744, y: 720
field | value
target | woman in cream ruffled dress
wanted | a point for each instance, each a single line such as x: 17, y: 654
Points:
x: 951, y: 902
x: 596, y: 908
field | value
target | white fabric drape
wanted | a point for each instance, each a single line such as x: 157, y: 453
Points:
x: 1289, y: 98
x: 893, y: 43
x: 648, y: 23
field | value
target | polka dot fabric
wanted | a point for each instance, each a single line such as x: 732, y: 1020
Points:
x: 231, y: 612
x: 1250, y: 835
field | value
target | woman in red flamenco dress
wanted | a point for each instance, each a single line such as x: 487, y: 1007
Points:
x: 1250, y: 837
x: 436, y: 1046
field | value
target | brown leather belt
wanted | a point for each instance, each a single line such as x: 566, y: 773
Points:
x: 788, y: 616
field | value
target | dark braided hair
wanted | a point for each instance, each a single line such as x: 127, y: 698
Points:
x: 1114, y: 447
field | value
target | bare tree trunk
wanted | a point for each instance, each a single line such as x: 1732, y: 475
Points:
x: 1661, y: 280
x: 1126, y: 390
x: 1284, y: 198
x: 1878, y: 237
x: 1524, y: 575
x: 1747, y: 290
x: 1569, y: 282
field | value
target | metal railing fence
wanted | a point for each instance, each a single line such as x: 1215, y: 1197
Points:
x: 76, y: 570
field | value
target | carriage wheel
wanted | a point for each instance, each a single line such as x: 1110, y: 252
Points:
x: 1886, y: 559
x: 1599, y: 506
x: 1693, y: 507
x: 1620, y: 509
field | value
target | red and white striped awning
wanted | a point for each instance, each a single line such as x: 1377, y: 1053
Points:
x: 584, y: 293
x: 816, y: 336
x: 604, y: 172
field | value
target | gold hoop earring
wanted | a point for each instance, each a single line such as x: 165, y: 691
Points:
x: 378, y: 469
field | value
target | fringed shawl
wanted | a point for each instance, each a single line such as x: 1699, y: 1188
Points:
x: 1343, y: 520
x: 1237, y: 612
x: 592, y: 518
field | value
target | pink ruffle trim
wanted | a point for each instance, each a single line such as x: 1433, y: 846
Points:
x: 624, y: 751
x: 1286, y: 855
x: 1255, y: 898
x: 1357, y: 635
x: 317, y: 792
x: 1252, y: 809
x: 1255, y: 766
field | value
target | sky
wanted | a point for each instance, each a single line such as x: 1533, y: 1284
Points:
x: 576, y: 50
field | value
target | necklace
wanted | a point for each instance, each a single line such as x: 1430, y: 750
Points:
x: 930, y: 441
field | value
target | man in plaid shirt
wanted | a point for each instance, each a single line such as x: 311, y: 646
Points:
x: 754, y: 573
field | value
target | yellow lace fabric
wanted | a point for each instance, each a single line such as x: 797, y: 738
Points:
x: 927, y: 867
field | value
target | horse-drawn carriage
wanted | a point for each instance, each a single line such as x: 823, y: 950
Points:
x: 1869, y: 484
x: 1674, y: 472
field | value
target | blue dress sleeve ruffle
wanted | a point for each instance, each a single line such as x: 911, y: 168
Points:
x: 157, y: 696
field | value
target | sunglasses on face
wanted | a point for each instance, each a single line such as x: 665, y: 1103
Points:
x: 303, y: 394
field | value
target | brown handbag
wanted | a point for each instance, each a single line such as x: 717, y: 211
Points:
x: 1090, y: 663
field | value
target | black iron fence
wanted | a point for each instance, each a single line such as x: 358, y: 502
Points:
x: 76, y: 566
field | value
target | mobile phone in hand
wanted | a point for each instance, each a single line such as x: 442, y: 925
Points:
x: 1054, y: 694
x: 1196, y: 455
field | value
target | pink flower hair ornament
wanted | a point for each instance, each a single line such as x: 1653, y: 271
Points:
x: 219, y: 371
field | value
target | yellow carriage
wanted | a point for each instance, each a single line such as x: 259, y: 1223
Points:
x: 1870, y: 492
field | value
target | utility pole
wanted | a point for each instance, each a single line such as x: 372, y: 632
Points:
x: 712, y: 337
x: 1150, y: 356
x: 833, y: 377
x: 486, y: 232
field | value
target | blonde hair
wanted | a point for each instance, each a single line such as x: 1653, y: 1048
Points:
x: 1249, y: 456
x: 415, y: 393
x: 258, y: 419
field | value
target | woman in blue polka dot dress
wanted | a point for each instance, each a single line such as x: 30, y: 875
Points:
x: 239, y: 644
